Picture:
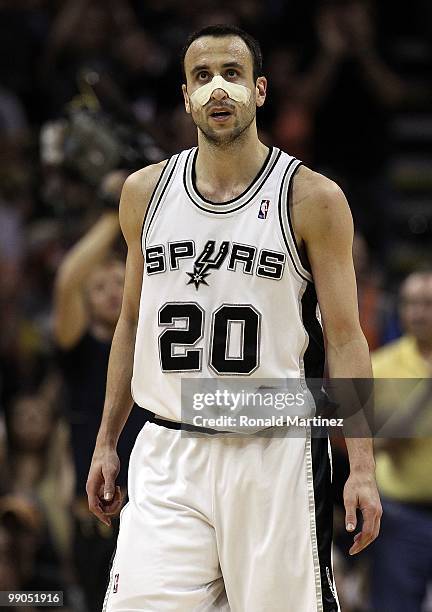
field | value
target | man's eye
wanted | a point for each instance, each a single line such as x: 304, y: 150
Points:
x: 231, y: 73
x: 202, y: 75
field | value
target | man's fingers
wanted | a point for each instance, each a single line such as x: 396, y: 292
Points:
x: 370, y: 530
x: 364, y: 540
x: 93, y: 487
x: 377, y: 511
x: 377, y: 522
x: 96, y: 509
x: 113, y: 506
x: 361, y: 540
x: 108, y: 492
x: 350, y: 513
x: 103, y: 510
x: 109, y: 488
x: 113, y: 510
x: 104, y: 498
x: 96, y: 491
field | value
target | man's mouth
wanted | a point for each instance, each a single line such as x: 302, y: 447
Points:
x: 220, y: 115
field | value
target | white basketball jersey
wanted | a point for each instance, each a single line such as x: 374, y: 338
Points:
x: 224, y: 291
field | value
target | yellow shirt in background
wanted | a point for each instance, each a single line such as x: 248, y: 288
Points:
x: 406, y: 476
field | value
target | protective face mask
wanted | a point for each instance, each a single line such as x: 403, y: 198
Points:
x: 236, y: 92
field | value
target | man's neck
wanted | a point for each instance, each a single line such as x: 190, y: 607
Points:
x: 223, y: 172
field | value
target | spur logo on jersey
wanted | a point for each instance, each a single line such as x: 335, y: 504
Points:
x: 206, y: 261
x: 234, y: 256
x: 263, y: 209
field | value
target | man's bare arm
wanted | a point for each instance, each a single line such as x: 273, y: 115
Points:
x: 104, y: 498
x: 323, y: 223
x: 70, y: 311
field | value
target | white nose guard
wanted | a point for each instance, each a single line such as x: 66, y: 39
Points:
x: 236, y: 92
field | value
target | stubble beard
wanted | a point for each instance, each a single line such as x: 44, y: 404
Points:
x: 227, y: 140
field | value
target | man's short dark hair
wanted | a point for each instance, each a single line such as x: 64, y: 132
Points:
x: 219, y: 31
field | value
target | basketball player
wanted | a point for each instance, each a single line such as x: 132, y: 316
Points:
x: 220, y: 522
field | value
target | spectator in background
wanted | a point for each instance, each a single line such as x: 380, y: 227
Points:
x: 88, y: 297
x: 333, y: 112
x: 402, y: 557
x: 35, y: 505
x: 28, y: 560
x: 351, y: 120
x: 39, y: 460
x: 296, y: 94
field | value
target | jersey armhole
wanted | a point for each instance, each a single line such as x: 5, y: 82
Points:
x: 156, y: 198
x: 286, y: 221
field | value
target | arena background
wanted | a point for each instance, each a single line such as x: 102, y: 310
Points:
x: 89, y: 86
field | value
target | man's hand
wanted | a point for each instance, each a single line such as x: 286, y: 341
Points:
x: 104, y: 497
x: 361, y: 492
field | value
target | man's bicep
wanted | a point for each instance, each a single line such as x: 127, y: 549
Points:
x: 337, y: 298
x: 133, y: 282
x: 329, y: 248
x: 135, y: 197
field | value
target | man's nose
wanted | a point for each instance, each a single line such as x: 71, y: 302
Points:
x: 219, y: 94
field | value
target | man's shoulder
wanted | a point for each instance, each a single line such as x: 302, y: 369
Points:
x: 136, y: 195
x: 319, y: 207
x: 310, y: 186
x: 145, y: 180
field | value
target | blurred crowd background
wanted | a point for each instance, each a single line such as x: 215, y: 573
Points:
x: 89, y: 92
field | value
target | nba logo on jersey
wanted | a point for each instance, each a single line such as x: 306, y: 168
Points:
x: 263, y: 210
x: 116, y: 580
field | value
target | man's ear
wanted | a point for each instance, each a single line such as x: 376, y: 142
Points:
x: 186, y: 99
x: 260, y: 90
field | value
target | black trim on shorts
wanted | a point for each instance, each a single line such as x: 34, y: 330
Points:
x: 313, y: 361
x: 179, y: 426
x: 110, y: 578
x: 324, y: 518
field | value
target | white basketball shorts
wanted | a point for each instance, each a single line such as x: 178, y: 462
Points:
x: 227, y: 523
